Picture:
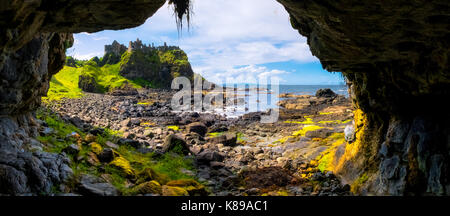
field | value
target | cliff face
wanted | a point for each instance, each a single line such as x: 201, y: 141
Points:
x: 396, y: 60
x: 157, y: 65
x: 138, y: 63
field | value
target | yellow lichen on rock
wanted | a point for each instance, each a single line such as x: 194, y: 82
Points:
x: 183, y: 183
x: 151, y: 187
x: 191, y: 186
x: 305, y: 129
x: 326, y: 159
x: 330, y: 160
x: 360, y: 123
x: 307, y: 121
x: 276, y: 193
x: 96, y: 148
x: 123, y: 165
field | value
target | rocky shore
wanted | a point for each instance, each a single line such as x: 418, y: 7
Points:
x: 234, y: 156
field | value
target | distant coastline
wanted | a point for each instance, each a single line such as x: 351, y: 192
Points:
x: 250, y: 96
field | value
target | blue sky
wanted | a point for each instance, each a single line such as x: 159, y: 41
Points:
x: 241, y: 40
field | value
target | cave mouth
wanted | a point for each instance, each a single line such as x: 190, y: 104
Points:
x: 241, y: 58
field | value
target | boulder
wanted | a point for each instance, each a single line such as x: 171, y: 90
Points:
x: 72, y: 149
x: 94, y: 186
x: 123, y: 165
x: 92, y: 159
x: 207, y: 156
x: 191, y: 186
x: 176, y: 144
x: 96, y: 148
x: 125, y: 90
x: 111, y: 145
x: 325, y: 93
x: 227, y: 139
x: 125, y: 123
x: 197, y: 127
x: 150, y: 187
x: 129, y: 142
x: 349, y: 133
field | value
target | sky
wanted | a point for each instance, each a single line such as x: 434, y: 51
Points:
x: 240, y: 40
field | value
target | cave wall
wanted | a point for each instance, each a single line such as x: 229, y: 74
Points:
x: 34, y: 36
x: 395, y: 58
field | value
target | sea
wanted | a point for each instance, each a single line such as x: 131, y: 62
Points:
x: 267, y: 97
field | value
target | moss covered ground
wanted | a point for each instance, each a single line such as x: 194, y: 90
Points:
x: 107, y: 76
x: 126, y: 171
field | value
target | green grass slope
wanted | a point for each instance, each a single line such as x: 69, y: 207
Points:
x: 65, y: 83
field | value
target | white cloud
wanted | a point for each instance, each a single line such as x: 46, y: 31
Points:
x: 244, y: 74
x: 86, y: 56
x: 101, y: 38
x: 225, y: 35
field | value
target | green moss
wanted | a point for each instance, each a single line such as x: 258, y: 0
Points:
x: 172, y: 165
x: 143, y: 103
x: 325, y: 160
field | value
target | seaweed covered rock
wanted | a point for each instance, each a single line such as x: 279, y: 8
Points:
x: 327, y: 93
x: 124, y: 166
x: 197, y: 127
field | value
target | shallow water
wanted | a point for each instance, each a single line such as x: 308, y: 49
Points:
x: 263, y: 100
